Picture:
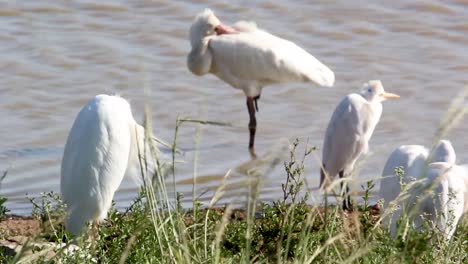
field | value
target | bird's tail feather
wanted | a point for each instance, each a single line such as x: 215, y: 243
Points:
x: 323, y: 76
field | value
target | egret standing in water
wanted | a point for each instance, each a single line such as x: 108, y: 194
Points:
x: 249, y: 58
x: 349, y: 131
x: 414, y: 161
x: 102, y: 146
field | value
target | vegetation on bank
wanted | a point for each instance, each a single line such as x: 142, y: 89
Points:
x: 289, y: 230
x: 3, y: 209
x: 155, y: 230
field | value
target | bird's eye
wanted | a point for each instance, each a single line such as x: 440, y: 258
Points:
x: 369, y: 89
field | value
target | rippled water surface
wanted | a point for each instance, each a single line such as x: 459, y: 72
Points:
x: 56, y: 55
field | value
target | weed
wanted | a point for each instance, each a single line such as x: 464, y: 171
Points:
x: 3, y: 200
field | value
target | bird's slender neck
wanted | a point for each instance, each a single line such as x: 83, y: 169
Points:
x: 200, y: 47
x: 366, y: 96
x: 199, y: 58
x: 372, y: 99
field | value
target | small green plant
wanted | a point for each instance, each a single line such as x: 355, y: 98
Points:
x: 50, y: 212
x: 400, y: 173
x: 157, y: 229
x: 3, y: 200
x: 294, y: 174
x: 3, y: 209
x: 367, y: 191
x: 50, y: 206
x: 367, y: 219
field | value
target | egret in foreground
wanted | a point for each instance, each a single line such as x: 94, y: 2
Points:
x: 440, y: 197
x: 102, y: 146
x: 413, y: 160
x: 249, y: 58
x: 348, y: 133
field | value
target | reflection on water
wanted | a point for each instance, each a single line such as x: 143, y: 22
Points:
x: 58, y: 54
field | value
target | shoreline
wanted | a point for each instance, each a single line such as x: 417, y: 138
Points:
x: 13, y: 225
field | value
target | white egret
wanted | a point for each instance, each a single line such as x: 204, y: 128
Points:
x: 102, y: 146
x: 413, y: 160
x: 249, y: 58
x: 444, y: 152
x: 349, y: 131
x: 441, y: 197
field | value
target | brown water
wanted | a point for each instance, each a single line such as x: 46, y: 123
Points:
x: 56, y: 55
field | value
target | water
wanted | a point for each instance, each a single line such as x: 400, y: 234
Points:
x: 56, y: 55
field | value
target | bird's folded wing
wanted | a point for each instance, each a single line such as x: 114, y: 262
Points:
x: 263, y: 57
x: 342, y: 137
x: 245, y: 26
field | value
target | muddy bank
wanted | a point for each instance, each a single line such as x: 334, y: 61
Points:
x: 17, y: 227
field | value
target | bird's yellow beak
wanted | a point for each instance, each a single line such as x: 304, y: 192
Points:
x: 390, y: 96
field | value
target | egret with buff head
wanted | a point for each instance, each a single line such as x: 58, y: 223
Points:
x: 348, y: 134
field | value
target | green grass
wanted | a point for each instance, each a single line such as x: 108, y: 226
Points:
x: 279, y: 232
x: 3, y: 200
x: 290, y: 230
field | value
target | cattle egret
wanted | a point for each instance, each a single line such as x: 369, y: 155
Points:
x: 249, y: 58
x: 413, y: 160
x: 444, y: 152
x: 101, y: 148
x: 348, y: 133
x: 440, y: 197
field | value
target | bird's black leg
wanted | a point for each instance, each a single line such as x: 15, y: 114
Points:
x: 350, y: 205
x: 323, y: 184
x: 256, y: 98
x: 345, y: 192
x: 252, y: 122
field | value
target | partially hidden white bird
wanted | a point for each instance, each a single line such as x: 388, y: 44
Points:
x: 441, y: 197
x: 104, y: 144
x: 413, y: 160
x: 348, y: 133
x: 249, y: 58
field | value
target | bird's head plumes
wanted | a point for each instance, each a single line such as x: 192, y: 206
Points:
x: 373, y: 90
x: 203, y: 26
x: 206, y: 24
x: 444, y: 152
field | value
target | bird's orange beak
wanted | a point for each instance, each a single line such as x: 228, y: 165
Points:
x: 390, y: 96
x: 223, y: 29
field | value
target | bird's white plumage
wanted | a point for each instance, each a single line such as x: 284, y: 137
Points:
x: 251, y: 58
x: 441, y: 196
x: 444, y: 152
x: 245, y: 26
x: 348, y: 133
x: 453, y: 192
x: 101, y: 148
x: 413, y: 160
x: 351, y: 127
